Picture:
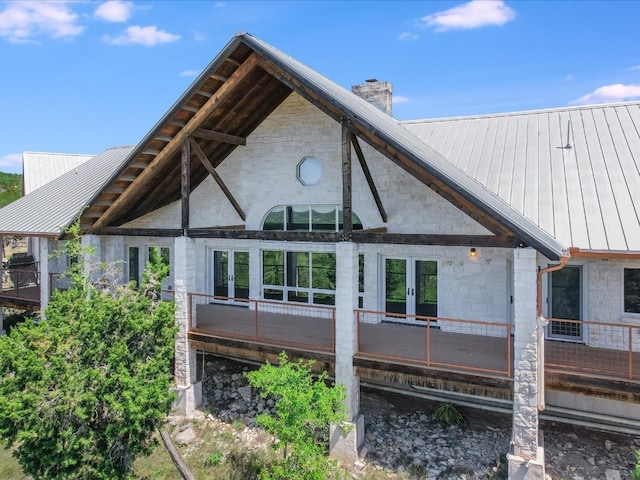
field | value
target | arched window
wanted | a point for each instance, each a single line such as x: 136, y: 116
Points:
x: 307, y: 218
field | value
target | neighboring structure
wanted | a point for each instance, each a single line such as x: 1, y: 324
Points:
x: 426, y: 265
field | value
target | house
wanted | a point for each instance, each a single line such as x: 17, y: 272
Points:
x: 492, y: 260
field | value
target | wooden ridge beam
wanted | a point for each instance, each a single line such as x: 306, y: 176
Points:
x: 219, y: 137
x: 140, y: 232
x: 210, y: 168
x: 368, y: 177
x: 185, y: 184
x: 361, y: 236
x: 132, y: 194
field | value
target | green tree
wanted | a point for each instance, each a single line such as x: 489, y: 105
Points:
x: 82, y: 392
x: 305, y: 407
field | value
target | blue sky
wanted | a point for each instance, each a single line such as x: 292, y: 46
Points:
x: 82, y: 76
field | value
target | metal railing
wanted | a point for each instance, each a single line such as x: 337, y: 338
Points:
x: 21, y: 282
x: 296, y: 325
x: 445, y: 343
x: 610, y: 350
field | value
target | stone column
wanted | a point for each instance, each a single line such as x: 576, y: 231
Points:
x: 93, y: 259
x: 526, y: 459
x: 344, y: 445
x: 114, y: 255
x: 45, y: 277
x: 188, y: 389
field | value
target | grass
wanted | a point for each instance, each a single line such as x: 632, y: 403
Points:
x: 222, y: 451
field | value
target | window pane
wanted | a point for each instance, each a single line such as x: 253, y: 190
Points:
x: 323, y: 217
x: 272, y: 294
x: 221, y: 273
x: 298, y: 269
x: 274, y: 220
x: 272, y: 267
x: 324, y: 271
x: 301, y: 297
x: 357, y: 224
x: 632, y: 290
x: 426, y: 273
x: 134, y: 266
x: 298, y: 218
x: 324, y: 299
x: 361, y: 273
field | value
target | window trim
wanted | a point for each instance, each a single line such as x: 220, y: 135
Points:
x: 286, y: 289
x: 625, y: 313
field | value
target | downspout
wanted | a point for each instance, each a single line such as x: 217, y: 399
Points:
x: 540, y: 324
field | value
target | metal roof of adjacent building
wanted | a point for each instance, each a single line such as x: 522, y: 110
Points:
x: 50, y: 209
x: 39, y: 168
x: 574, y: 172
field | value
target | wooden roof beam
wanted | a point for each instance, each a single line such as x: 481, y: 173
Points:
x: 219, y: 137
x: 367, y: 175
x: 176, y: 143
x: 217, y: 76
x: 210, y: 168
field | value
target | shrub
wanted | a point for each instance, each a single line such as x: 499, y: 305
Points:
x: 447, y: 414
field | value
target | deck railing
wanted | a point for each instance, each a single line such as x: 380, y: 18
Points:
x: 598, y: 348
x: 309, y: 327
x: 483, y: 348
x: 21, y: 282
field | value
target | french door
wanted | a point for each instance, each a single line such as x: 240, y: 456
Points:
x: 228, y: 273
x: 410, y: 287
x: 565, y: 302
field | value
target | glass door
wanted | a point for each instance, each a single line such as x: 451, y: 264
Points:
x: 228, y: 273
x: 411, y: 287
x: 565, y: 302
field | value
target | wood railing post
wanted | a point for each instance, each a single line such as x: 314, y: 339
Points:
x: 509, y: 361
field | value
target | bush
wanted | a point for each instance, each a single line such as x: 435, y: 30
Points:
x: 447, y: 414
x: 305, y: 407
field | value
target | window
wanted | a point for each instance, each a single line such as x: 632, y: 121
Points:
x: 302, y: 277
x: 632, y: 290
x: 307, y: 218
x: 134, y: 267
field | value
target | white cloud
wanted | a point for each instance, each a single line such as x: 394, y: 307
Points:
x: 408, y: 36
x: 568, y: 77
x: 220, y: 4
x: 114, y: 11
x: 147, y: 36
x: 473, y: 14
x: 398, y: 99
x: 635, y: 67
x: 610, y: 93
x: 11, y: 163
x: 20, y: 22
x: 189, y: 73
x: 199, y: 37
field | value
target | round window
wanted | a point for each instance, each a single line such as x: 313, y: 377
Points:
x: 309, y: 171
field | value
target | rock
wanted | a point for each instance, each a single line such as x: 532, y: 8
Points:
x: 245, y: 393
x: 611, y: 474
x: 186, y: 436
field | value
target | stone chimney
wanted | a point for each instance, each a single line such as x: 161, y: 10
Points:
x: 376, y: 93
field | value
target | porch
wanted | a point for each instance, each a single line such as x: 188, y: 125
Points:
x: 473, y: 351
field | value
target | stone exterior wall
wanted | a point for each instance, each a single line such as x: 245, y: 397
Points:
x: 262, y: 175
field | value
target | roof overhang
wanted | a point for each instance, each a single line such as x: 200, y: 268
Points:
x: 235, y: 93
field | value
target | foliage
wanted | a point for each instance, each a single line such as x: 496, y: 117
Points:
x: 305, y: 407
x: 448, y: 414
x: 636, y: 470
x: 82, y: 392
x: 19, y: 259
x: 10, y: 187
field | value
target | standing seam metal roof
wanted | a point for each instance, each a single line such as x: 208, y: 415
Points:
x: 50, y: 209
x: 574, y: 172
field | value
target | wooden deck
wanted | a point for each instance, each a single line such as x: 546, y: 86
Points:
x: 401, y: 344
x: 22, y: 297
